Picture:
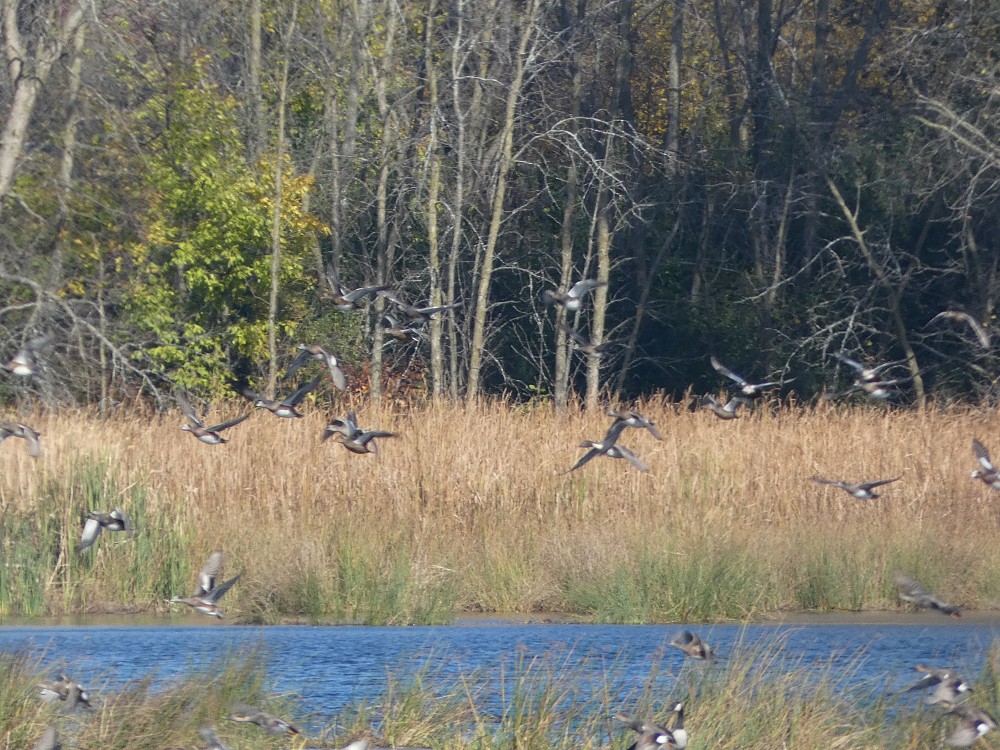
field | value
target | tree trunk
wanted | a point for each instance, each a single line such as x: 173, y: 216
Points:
x: 497, y: 205
x: 279, y: 154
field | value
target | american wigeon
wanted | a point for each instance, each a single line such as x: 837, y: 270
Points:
x: 861, y: 490
x: 206, y: 593
x: 632, y: 418
x: 116, y: 520
x: 582, y: 344
x: 988, y: 473
x: 318, y: 353
x: 352, y: 437
x: 975, y: 722
x: 286, y: 407
x: 692, y: 645
x: 722, y: 412
x: 910, y: 591
x: 25, y: 362
x: 748, y: 390
x: 949, y: 687
x: 23, y: 431
x: 423, y: 314
x: 69, y: 691
x: 867, y: 379
x: 609, y: 447
x: 207, y: 435
x: 652, y: 736
x: 572, y: 299
x: 343, y: 299
x: 268, y: 722
x: 403, y: 333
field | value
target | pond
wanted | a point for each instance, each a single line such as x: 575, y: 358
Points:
x: 327, y: 667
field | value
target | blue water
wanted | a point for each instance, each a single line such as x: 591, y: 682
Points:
x: 327, y: 667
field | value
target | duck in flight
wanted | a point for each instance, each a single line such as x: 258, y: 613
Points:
x: 207, y: 593
x: 861, y: 490
x: 286, y: 407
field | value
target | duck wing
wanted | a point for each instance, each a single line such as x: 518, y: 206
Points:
x: 631, y: 458
x: 208, y: 573
x: 583, y: 286
x: 723, y: 370
x: 303, y: 357
x: 300, y: 394
x: 226, y: 425
x: 982, y: 455
x: 91, y: 530
x: 220, y: 591
x: 879, y: 483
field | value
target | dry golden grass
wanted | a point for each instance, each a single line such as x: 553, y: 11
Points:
x: 472, y: 509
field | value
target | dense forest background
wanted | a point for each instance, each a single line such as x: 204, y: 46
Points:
x: 774, y: 182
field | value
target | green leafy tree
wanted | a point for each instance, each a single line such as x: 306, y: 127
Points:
x: 199, y: 294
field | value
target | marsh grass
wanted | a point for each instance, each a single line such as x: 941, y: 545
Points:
x: 471, y: 510
x: 755, y: 698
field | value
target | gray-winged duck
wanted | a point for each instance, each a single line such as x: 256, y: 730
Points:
x: 347, y: 300
x: 910, y: 590
x: 116, y: 520
x: 632, y: 418
x: 318, y: 353
x: 207, y: 435
x: 692, y: 645
x: 583, y: 344
x: 722, y: 412
x: 860, y: 490
x: 207, y: 594
x: 25, y: 362
x: 71, y: 692
x: 286, y: 407
x: 268, y: 722
x: 422, y: 314
x: 987, y: 473
x: 609, y: 447
x: 975, y: 722
x: 353, y: 437
x: 747, y: 389
x: 572, y: 299
x: 26, y: 433
x: 949, y: 687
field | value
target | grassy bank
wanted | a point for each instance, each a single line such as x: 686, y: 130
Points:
x: 470, y: 510
x: 753, y: 699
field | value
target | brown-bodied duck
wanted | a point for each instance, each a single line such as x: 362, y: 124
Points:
x: 653, y: 736
x: 347, y: 300
x: 749, y: 391
x: 609, y: 447
x: 867, y: 379
x: 910, y: 591
x: 404, y: 333
x: 25, y: 362
x: 116, y: 520
x: 268, y: 722
x: 352, y: 437
x: 572, y: 299
x: 632, y: 418
x: 318, y: 353
x: 582, y: 344
x: 207, y: 594
x: 421, y: 314
x: 26, y: 433
x: 987, y: 472
x: 975, y: 722
x: 692, y: 645
x: 195, y: 425
x: 286, y: 407
x: 69, y: 691
x: 859, y: 490
x: 949, y: 686
x: 726, y: 412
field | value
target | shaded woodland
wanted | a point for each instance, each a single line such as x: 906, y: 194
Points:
x: 775, y: 182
